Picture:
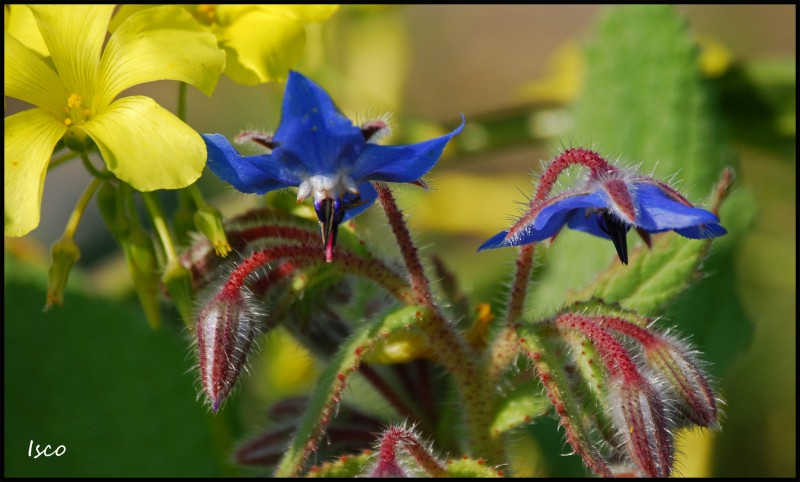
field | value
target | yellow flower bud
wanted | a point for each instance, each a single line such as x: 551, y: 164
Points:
x: 65, y: 254
x: 208, y: 221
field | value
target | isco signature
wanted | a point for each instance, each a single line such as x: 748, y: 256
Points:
x: 47, y: 451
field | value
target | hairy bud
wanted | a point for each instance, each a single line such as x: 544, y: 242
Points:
x: 676, y: 364
x: 226, y: 327
x: 638, y: 413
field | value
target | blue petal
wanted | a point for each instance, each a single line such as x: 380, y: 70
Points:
x: 530, y: 234
x: 251, y: 174
x: 586, y: 222
x: 702, y: 231
x: 313, y: 134
x: 400, y: 163
x: 658, y: 212
x: 549, y: 218
x: 496, y: 241
x: 368, y: 197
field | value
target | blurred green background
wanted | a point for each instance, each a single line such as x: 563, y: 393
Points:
x: 121, y: 398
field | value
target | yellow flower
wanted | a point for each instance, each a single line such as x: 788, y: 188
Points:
x: 262, y: 42
x: 74, y: 96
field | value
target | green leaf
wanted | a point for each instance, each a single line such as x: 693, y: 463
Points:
x: 347, y: 466
x: 471, y: 468
x: 646, y: 101
x: 759, y: 100
x: 93, y: 377
x: 520, y: 407
x: 330, y: 386
x: 653, y: 277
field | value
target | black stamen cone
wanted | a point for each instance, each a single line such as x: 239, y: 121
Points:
x: 329, y: 222
x: 618, y: 231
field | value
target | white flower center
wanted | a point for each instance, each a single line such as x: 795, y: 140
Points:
x: 326, y: 187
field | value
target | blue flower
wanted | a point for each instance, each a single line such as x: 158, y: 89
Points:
x: 322, y: 153
x: 609, y: 207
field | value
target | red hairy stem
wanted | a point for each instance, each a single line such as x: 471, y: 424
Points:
x: 504, y: 349
x: 519, y: 290
x: 306, y: 256
x: 575, y: 155
x: 452, y: 350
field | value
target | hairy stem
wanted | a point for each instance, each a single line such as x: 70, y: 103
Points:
x: 452, y: 350
x: 306, y: 256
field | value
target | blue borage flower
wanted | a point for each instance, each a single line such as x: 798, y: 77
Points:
x: 609, y: 205
x: 322, y: 153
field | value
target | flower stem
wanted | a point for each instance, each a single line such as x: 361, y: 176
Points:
x: 419, y: 282
x: 576, y: 155
x: 521, y: 281
x: 93, y: 170
x: 502, y: 352
x: 77, y: 213
x: 196, y: 196
x: 504, y: 348
x: 154, y: 208
x: 452, y: 350
x: 308, y: 255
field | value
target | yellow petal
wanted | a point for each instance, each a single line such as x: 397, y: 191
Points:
x: 22, y: 26
x: 261, y: 47
x: 27, y: 77
x: 147, y: 146
x: 303, y: 13
x: 74, y: 35
x: 122, y: 14
x: 160, y: 43
x: 225, y: 15
x: 29, y: 139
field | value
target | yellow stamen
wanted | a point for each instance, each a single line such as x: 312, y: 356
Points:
x: 209, y: 10
x: 77, y: 112
x: 74, y: 100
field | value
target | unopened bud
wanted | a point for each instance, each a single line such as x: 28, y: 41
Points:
x: 225, y: 330
x: 682, y: 372
x: 77, y: 140
x: 140, y: 256
x: 208, y: 221
x: 65, y: 254
x: 403, y: 345
x: 638, y: 414
x: 109, y: 202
